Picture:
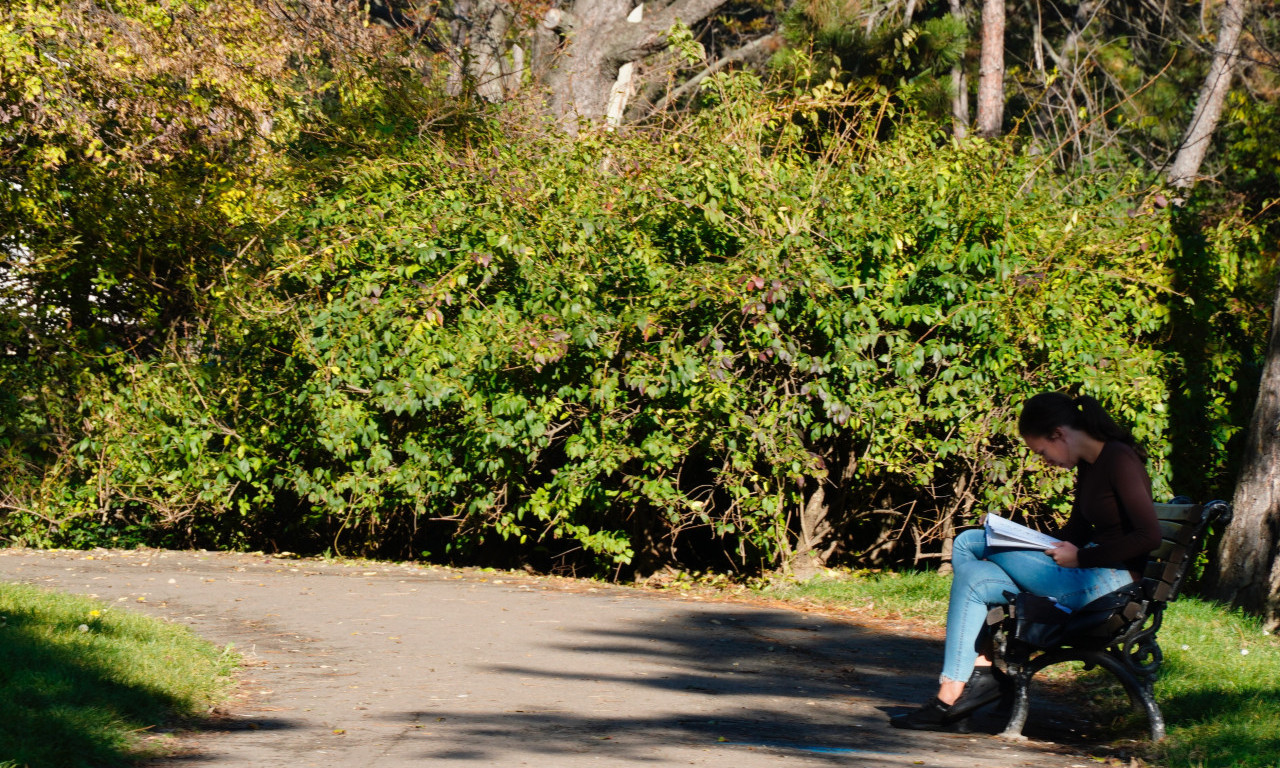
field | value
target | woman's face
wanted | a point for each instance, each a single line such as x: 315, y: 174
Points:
x: 1054, y: 449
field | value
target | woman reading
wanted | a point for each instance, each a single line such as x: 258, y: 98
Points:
x: 1104, y: 546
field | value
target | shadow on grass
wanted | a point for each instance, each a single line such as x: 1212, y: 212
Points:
x: 780, y: 682
x: 62, y: 706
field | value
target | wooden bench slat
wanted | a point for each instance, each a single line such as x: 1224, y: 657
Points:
x: 1166, y: 571
x: 1179, y: 532
x: 1169, y: 552
x: 1179, y: 513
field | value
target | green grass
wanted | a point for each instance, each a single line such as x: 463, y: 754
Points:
x: 912, y: 594
x: 84, y: 685
x: 1222, y: 705
x: 1219, y: 687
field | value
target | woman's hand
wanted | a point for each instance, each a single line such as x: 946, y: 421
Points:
x: 1064, y: 554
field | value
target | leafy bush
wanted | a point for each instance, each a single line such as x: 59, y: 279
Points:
x: 722, y: 346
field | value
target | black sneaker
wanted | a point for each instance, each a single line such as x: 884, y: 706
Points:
x: 985, y: 685
x: 934, y: 716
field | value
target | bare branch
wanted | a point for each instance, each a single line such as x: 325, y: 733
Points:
x: 1213, y: 93
x: 756, y: 49
x: 635, y: 41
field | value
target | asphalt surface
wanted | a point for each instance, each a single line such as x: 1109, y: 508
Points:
x: 389, y: 666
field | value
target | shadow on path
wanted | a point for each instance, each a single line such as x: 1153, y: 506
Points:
x: 733, y: 679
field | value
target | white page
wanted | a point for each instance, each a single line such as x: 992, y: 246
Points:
x: 1006, y: 533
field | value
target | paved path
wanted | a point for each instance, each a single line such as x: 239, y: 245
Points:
x: 386, y: 666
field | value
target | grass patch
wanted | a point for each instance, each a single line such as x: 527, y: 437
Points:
x: 82, y: 684
x: 1219, y: 687
x: 910, y: 594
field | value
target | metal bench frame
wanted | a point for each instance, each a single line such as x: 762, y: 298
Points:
x: 1125, y: 645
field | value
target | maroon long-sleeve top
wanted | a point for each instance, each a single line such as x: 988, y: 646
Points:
x: 1113, y: 509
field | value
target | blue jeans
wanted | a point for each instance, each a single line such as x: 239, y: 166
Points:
x: 981, y: 578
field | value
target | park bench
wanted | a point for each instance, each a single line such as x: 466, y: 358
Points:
x: 1122, y: 638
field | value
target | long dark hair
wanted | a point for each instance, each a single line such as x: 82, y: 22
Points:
x: 1045, y: 412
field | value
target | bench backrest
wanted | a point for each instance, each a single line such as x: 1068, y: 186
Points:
x: 1183, y: 528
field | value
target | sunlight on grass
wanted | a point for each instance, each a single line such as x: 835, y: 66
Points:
x: 1219, y: 688
x: 82, y: 684
x: 912, y: 594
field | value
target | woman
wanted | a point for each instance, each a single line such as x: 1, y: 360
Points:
x: 1111, y: 530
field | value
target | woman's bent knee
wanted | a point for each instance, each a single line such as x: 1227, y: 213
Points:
x: 968, y: 545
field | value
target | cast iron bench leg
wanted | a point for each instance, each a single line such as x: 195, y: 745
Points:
x: 1141, y: 690
x: 1021, y: 705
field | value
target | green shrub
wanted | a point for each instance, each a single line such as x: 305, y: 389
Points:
x: 730, y: 345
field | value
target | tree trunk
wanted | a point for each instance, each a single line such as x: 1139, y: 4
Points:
x: 959, y: 85
x: 808, y: 557
x: 991, y: 70
x: 1213, y: 92
x: 596, y: 40
x: 959, y: 102
x: 816, y: 543
x: 582, y: 76
x: 1246, y: 571
x: 624, y: 87
x: 479, y: 32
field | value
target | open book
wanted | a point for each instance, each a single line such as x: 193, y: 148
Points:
x: 1010, y: 535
